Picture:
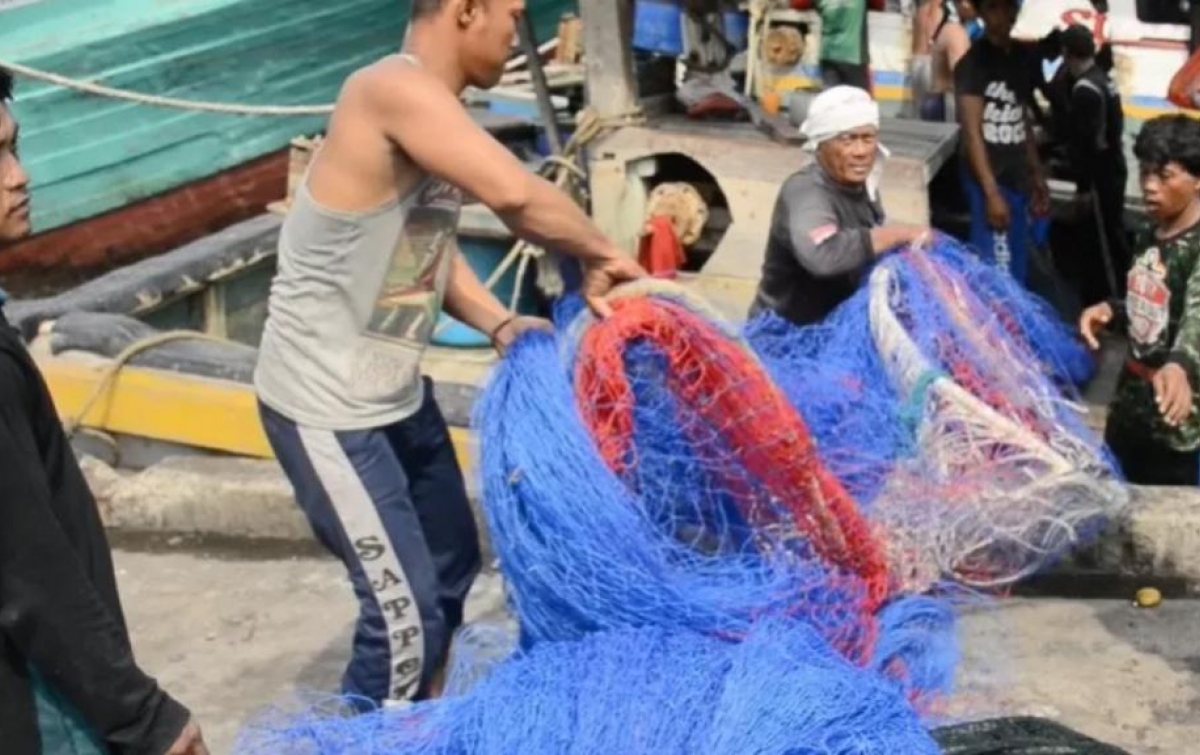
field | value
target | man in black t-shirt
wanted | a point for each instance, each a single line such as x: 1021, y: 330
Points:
x: 1002, y: 174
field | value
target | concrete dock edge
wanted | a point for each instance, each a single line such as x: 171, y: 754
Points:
x: 1158, y: 538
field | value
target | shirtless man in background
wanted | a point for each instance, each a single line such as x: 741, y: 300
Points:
x: 949, y: 41
x: 926, y: 14
x: 367, y: 260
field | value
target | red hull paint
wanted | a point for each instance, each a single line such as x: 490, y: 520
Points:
x: 66, y: 256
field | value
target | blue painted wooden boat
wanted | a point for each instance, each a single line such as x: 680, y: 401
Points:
x: 90, y: 155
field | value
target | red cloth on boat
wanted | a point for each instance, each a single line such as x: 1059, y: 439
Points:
x: 1184, y: 90
x: 660, y: 253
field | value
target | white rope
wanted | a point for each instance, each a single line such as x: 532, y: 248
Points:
x: 588, y: 127
x: 171, y: 102
x: 1046, y: 487
x: 201, y: 105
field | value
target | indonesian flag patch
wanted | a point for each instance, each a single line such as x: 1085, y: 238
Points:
x: 821, y: 234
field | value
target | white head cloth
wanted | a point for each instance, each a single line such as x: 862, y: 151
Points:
x: 840, y: 109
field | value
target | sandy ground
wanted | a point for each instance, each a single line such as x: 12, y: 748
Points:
x: 230, y: 630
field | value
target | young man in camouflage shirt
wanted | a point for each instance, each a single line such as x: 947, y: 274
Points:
x: 1153, y: 427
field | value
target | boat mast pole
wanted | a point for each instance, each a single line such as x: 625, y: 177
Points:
x: 608, y: 57
x: 537, y: 77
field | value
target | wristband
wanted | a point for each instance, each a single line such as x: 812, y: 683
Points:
x: 496, y: 330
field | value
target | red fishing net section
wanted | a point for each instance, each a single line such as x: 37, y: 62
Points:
x: 727, y: 407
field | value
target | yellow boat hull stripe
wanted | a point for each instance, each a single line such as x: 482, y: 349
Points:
x: 218, y: 415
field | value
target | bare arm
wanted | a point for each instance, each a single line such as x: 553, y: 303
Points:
x: 471, y: 302
x: 427, y: 122
x: 1038, y: 190
x: 957, y: 44
x: 970, y: 115
x: 468, y: 300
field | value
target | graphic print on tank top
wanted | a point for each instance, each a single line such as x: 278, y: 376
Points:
x: 402, y: 317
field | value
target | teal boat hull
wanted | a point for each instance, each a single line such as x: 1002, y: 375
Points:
x: 90, y: 155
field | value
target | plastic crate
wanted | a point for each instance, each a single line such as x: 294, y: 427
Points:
x: 658, y: 27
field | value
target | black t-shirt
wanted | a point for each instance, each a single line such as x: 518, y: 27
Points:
x: 1002, y: 79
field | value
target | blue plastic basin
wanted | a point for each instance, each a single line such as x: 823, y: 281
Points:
x: 484, y: 255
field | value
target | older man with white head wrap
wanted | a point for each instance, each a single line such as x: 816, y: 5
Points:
x: 828, y: 225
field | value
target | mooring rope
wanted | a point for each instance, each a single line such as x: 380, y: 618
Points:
x: 206, y: 106
x: 172, y: 102
x: 588, y: 128
x: 108, y: 379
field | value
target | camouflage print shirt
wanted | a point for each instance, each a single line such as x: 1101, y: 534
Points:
x: 1161, y: 314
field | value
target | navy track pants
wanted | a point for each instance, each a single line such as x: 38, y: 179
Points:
x: 391, y: 503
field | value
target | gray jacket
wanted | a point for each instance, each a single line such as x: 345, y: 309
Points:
x: 819, y: 246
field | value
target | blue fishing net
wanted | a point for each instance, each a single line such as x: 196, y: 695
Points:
x: 941, y: 394
x: 681, y: 584
x: 582, y: 551
x: 780, y: 690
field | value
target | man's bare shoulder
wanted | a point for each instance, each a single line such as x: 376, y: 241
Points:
x: 951, y: 37
x: 956, y: 35
x: 390, y: 83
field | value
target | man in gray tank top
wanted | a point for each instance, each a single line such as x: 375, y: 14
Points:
x: 367, y: 261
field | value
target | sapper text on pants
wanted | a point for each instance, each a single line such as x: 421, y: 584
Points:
x: 391, y: 503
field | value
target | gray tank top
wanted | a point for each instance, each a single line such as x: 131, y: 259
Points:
x: 353, y: 307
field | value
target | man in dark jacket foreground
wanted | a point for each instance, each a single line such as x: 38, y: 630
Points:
x: 68, y: 680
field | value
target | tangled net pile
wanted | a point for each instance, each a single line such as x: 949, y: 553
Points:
x: 648, y: 473
x: 649, y: 690
x: 673, y: 547
x: 945, y: 416
x: 692, y: 570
